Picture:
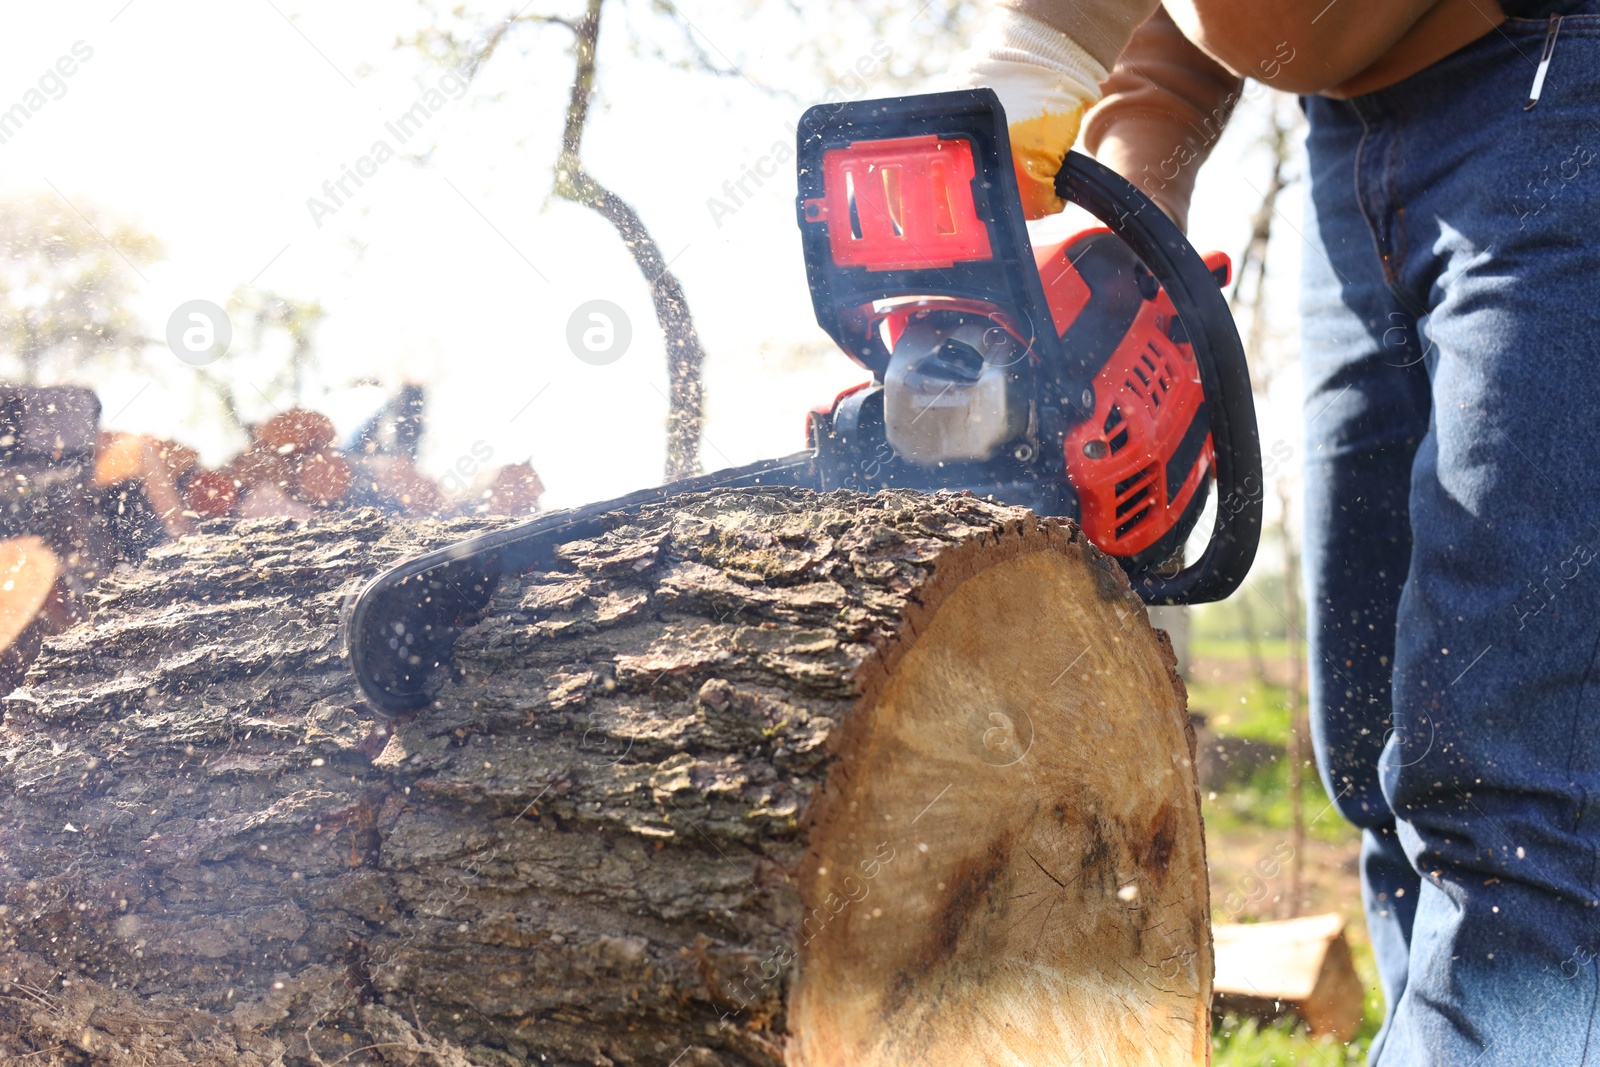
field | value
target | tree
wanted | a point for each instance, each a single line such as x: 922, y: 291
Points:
x: 298, y: 319
x: 257, y: 315
x: 461, y: 41
x: 65, y: 284
x: 1278, y: 138
x: 573, y: 182
x: 685, y: 357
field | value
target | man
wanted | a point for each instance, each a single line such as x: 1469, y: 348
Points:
x: 1451, y: 317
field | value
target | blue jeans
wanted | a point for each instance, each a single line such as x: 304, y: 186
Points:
x: 1451, y: 354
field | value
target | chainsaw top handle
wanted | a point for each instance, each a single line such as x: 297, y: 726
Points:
x: 1224, y: 376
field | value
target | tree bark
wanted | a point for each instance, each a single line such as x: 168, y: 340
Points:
x: 754, y: 778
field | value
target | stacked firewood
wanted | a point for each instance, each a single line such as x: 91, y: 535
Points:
x: 75, y: 501
x: 293, y: 468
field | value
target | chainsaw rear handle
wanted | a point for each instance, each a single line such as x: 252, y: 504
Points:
x: 1224, y: 377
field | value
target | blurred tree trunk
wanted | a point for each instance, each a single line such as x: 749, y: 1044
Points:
x: 1252, y: 641
x: 684, y: 355
x: 1253, y: 266
x: 1249, y: 294
x: 1299, y: 727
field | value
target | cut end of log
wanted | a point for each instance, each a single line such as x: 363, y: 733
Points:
x: 1006, y: 864
x: 35, y: 601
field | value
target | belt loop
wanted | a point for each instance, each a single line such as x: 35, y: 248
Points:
x: 1544, y: 62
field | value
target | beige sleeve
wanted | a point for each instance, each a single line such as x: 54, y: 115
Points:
x: 1163, y: 107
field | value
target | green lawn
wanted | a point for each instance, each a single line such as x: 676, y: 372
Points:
x: 1241, y: 705
x: 1262, y: 801
x: 1238, y: 703
x: 1246, y: 1043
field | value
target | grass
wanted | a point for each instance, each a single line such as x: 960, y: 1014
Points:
x: 1237, y: 702
x: 1262, y: 802
x: 1247, y: 1043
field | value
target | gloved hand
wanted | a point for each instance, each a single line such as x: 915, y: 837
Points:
x: 1045, y: 81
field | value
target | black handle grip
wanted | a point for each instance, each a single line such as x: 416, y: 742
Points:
x: 1224, y: 376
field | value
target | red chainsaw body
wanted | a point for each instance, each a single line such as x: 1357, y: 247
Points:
x: 1133, y: 435
x: 1141, y: 457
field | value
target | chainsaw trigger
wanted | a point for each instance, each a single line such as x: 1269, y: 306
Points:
x: 1220, y: 266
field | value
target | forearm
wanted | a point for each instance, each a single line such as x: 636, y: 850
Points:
x: 1164, y: 106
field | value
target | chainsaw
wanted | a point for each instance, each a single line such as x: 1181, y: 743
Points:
x: 1099, y: 377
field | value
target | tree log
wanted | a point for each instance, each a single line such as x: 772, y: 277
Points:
x: 754, y: 778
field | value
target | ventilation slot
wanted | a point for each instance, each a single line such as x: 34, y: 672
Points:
x: 1115, y: 438
x: 1129, y: 483
x: 891, y: 197
x: 1152, y: 378
x: 1135, y: 500
x: 1123, y: 529
x: 1125, y: 506
x: 944, y: 216
x: 855, y: 211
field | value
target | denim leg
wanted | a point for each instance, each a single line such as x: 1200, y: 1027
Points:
x: 1366, y: 410
x: 1483, y: 216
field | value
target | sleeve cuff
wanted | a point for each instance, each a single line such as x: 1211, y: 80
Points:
x: 1035, y: 68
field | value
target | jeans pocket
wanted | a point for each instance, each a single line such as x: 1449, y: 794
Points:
x: 1559, y: 62
x: 1575, y: 17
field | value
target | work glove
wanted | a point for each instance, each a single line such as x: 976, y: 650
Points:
x: 1045, y: 81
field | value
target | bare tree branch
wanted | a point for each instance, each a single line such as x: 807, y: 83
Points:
x: 572, y: 182
x: 701, y: 58
x: 684, y: 354
x: 553, y: 20
x: 1252, y: 262
x: 922, y: 32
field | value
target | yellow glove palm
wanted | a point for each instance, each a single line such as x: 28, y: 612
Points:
x: 1038, y: 145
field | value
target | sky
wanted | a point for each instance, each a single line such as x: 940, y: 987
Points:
x: 215, y: 127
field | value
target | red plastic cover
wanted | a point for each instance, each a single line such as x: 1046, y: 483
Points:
x: 898, y: 204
